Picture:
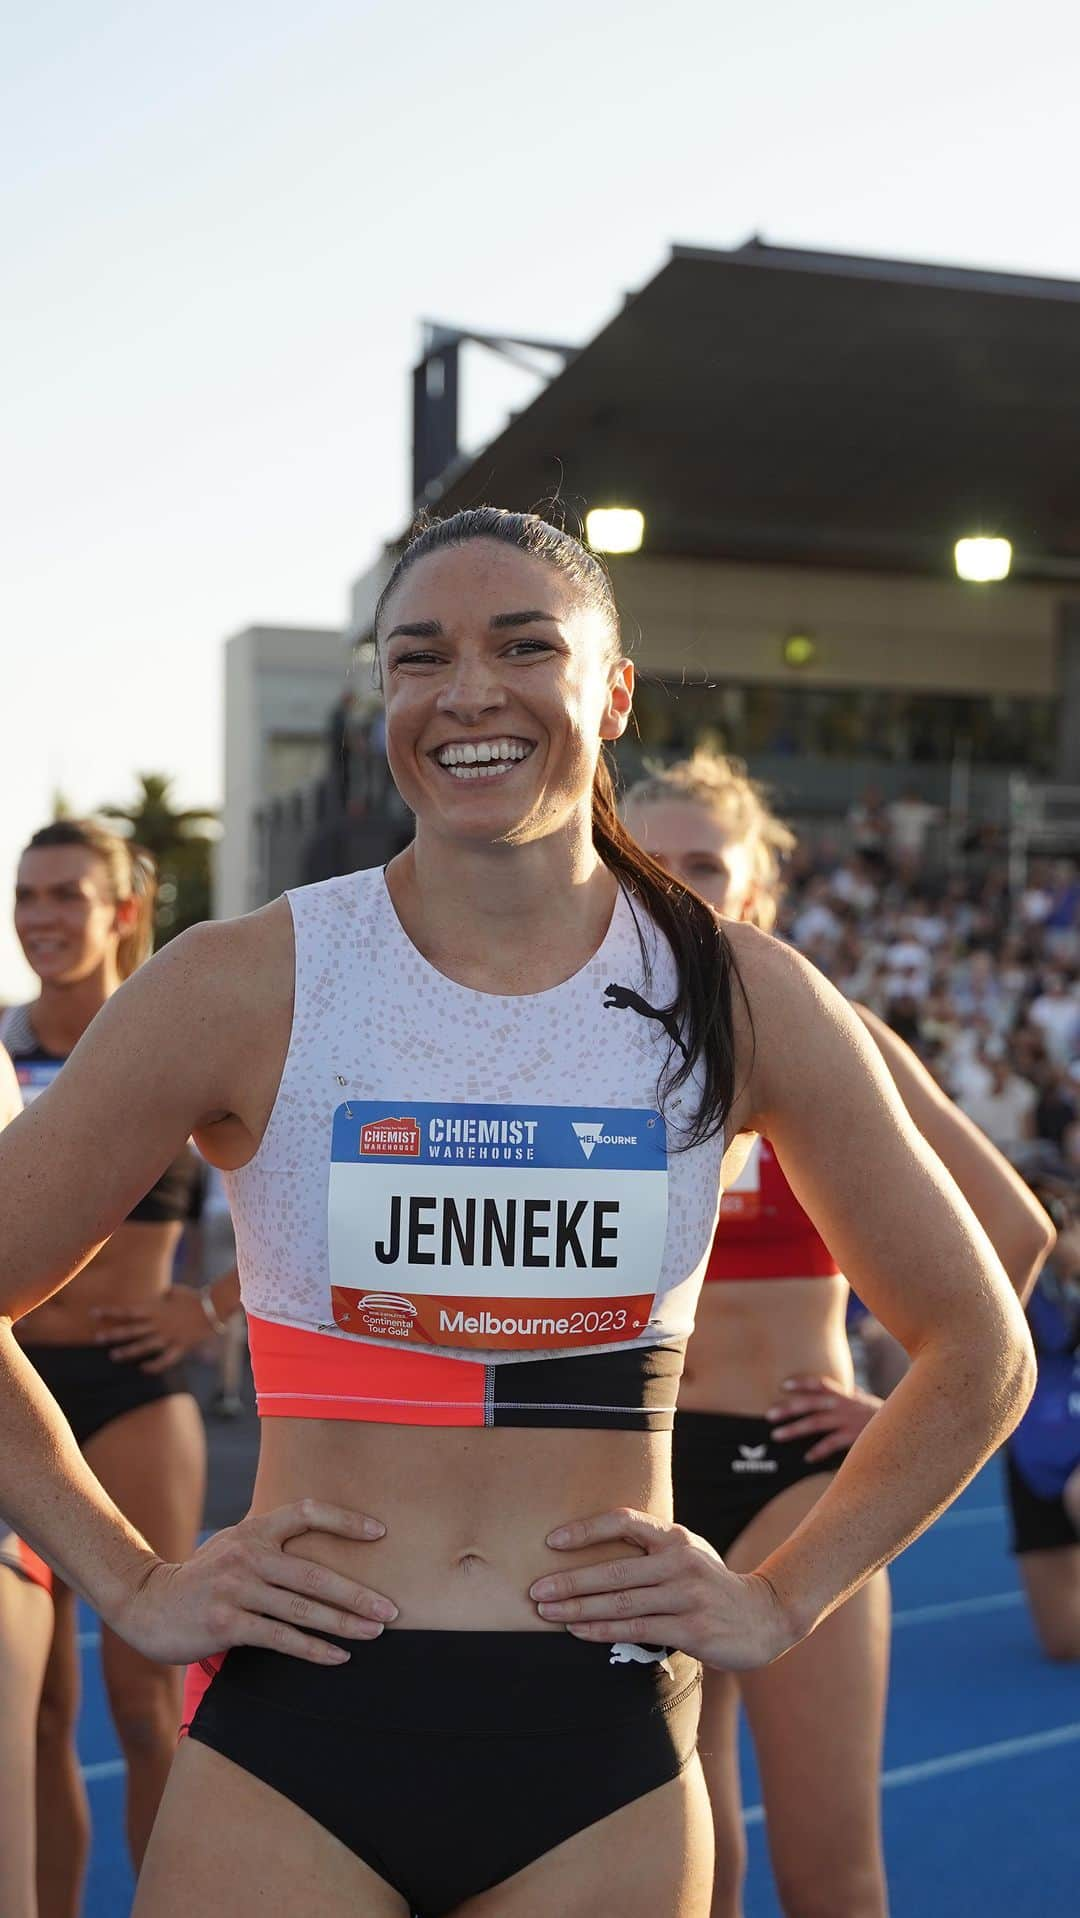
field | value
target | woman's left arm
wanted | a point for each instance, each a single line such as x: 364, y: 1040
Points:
x: 1020, y: 1232
x: 918, y: 1257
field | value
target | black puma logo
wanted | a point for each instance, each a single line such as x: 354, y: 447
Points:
x: 624, y: 999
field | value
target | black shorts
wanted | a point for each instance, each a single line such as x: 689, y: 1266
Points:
x: 92, y: 1388
x: 447, y: 1761
x: 727, y: 1468
x: 1037, y: 1524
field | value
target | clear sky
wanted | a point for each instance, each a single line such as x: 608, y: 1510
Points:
x: 221, y: 226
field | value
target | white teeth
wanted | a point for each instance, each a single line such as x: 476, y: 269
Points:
x: 487, y: 754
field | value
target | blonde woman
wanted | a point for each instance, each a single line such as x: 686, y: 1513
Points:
x: 768, y: 1408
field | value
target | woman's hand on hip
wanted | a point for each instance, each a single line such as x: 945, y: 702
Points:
x: 821, y: 1408
x: 677, y: 1593
x: 157, y: 1334
x: 243, y: 1588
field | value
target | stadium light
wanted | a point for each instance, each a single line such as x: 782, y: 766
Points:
x: 983, y: 559
x: 615, y: 529
x: 800, y: 649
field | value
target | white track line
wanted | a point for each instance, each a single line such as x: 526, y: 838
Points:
x: 109, y: 1768
x: 960, y: 1761
x: 957, y: 1608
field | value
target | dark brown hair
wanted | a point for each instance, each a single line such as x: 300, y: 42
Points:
x: 702, y: 1009
x: 132, y: 875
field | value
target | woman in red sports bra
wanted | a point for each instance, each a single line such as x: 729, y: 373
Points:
x: 768, y: 1407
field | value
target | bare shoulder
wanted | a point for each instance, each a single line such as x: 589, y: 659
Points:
x: 10, y: 1097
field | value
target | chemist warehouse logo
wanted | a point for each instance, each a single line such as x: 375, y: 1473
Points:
x: 391, y: 1138
x: 590, y: 1133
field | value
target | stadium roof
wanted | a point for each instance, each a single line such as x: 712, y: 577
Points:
x: 771, y: 404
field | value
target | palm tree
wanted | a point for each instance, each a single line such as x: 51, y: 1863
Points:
x: 181, y: 842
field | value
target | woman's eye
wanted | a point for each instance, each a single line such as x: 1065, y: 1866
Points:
x: 414, y: 659
x: 530, y: 646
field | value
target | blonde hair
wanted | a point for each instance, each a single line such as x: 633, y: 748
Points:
x: 132, y: 875
x: 721, y: 783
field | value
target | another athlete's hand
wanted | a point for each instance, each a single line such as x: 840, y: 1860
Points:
x: 160, y: 1333
x: 678, y: 1593
x: 822, y: 1408
x: 243, y: 1588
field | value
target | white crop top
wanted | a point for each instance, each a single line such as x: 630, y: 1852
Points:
x: 467, y: 1208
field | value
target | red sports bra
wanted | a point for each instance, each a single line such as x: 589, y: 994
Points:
x: 762, y: 1231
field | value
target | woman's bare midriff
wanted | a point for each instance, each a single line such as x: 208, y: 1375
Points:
x: 466, y: 1512
x: 134, y: 1267
x: 751, y: 1335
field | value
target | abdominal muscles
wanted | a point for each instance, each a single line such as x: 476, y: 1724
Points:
x: 466, y: 1511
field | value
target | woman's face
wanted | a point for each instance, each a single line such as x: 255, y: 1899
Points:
x: 65, y: 916
x: 694, y: 843
x: 499, y: 690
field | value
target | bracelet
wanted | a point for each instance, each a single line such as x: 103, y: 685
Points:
x: 206, y: 1300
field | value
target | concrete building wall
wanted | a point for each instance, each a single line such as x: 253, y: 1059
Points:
x: 706, y: 617
x: 280, y: 685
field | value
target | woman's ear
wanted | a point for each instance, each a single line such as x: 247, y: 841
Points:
x: 620, y: 700
x: 126, y: 915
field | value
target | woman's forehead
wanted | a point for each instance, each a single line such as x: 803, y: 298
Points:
x: 59, y: 865
x: 480, y: 579
x: 690, y: 821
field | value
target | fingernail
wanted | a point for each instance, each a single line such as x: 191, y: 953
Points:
x: 384, y: 1609
x: 790, y: 1384
x: 774, y: 1412
x: 560, y: 1537
x: 548, y: 1611
x: 544, y: 1588
x: 373, y: 1528
x: 336, y: 1656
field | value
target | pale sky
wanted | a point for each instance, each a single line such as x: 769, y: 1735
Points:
x: 221, y: 226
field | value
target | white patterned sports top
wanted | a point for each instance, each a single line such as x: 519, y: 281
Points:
x: 468, y: 1208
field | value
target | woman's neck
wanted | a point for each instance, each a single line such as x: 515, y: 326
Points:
x: 65, y: 1008
x: 513, y: 918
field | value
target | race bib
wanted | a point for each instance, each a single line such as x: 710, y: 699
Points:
x: 495, y: 1227
x: 742, y: 1199
x: 34, y: 1076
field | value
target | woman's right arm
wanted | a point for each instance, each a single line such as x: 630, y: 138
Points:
x: 164, y: 1058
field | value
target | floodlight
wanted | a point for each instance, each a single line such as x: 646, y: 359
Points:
x: 983, y: 559
x: 615, y: 529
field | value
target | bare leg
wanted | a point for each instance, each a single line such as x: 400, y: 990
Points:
x: 225, y: 1842
x: 63, y: 1815
x: 651, y: 1857
x: 153, y: 1463
x: 25, y: 1637
x: 1052, y: 1582
x: 719, y: 1753
x: 817, y: 1718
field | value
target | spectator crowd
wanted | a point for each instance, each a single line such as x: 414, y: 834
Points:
x: 983, y: 981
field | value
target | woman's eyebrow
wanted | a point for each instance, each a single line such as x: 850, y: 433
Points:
x: 432, y: 629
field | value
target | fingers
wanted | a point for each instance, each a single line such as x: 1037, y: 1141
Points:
x: 315, y: 1515
x: 649, y: 1630
x: 274, y: 1636
x: 806, y: 1428
x: 329, y: 1589
x: 804, y: 1402
x: 145, y: 1347
x: 638, y: 1528
x: 616, y: 1577
x: 811, y: 1382
x: 169, y: 1355
x: 830, y: 1446
x: 309, y: 1615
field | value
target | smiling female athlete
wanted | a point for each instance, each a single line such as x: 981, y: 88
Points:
x: 768, y: 1407
x: 473, y: 1113
x: 84, y: 912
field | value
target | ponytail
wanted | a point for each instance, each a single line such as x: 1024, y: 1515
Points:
x: 702, y: 1011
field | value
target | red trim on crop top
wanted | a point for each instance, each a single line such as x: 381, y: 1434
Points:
x: 763, y: 1233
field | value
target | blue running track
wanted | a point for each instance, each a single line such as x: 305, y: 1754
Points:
x: 982, y: 1751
